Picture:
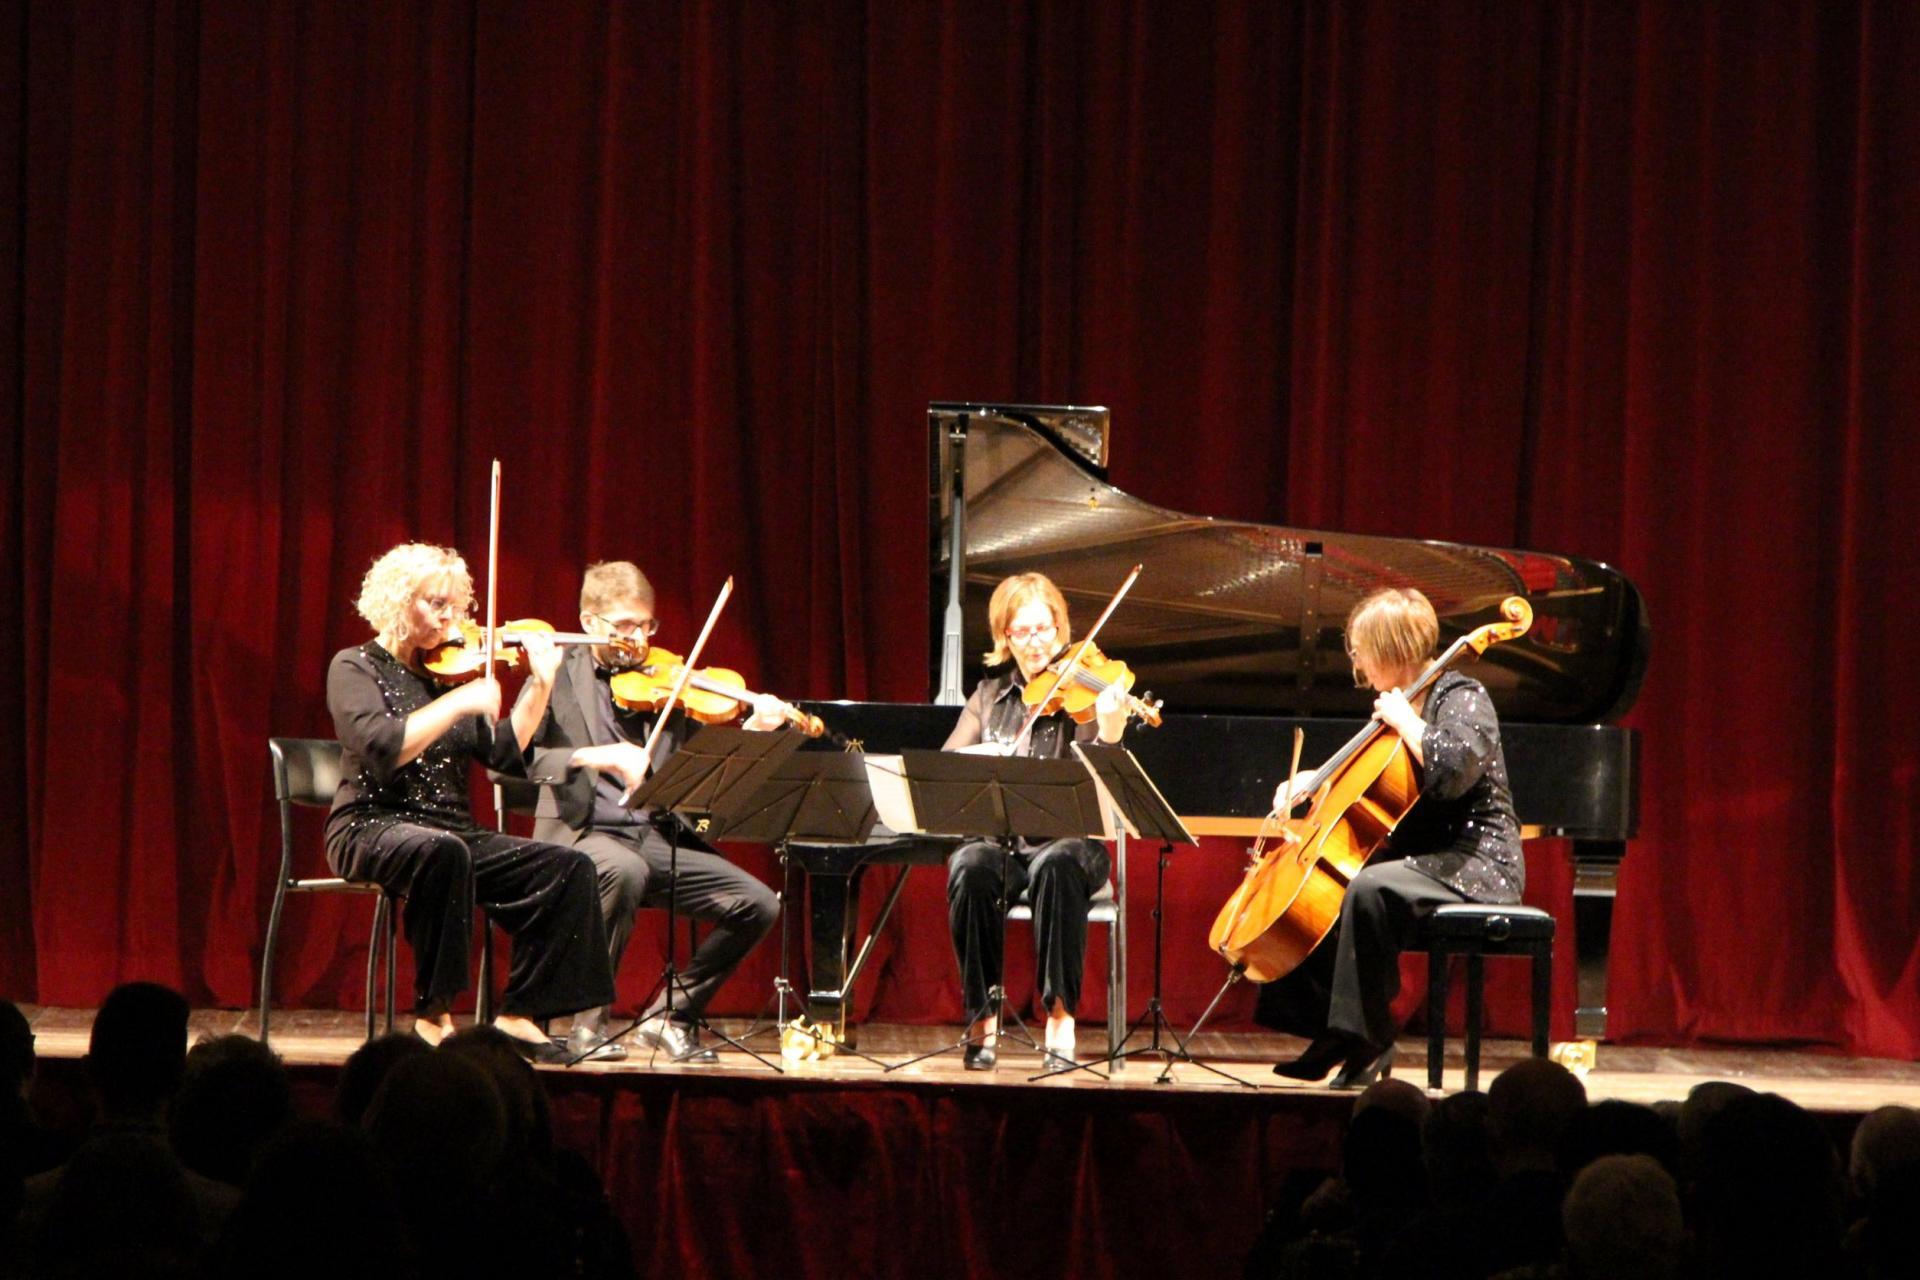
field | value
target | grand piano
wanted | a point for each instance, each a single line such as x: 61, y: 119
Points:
x: 1238, y: 627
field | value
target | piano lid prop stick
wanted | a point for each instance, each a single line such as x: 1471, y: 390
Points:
x: 680, y: 684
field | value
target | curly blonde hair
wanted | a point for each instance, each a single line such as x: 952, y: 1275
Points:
x: 397, y: 578
x: 1010, y: 597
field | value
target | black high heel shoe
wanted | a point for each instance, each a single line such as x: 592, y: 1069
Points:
x: 1328, y: 1050
x: 1365, y: 1065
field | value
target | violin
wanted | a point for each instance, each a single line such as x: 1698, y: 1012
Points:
x: 1089, y: 678
x: 463, y: 657
x: 713, y: 695
x: 1290, y: 899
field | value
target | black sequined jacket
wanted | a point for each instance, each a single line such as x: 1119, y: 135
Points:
x: 1462, y: 830
x: 371, y: 693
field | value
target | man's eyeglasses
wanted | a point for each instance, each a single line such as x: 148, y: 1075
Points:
x: 643, y: 627
x: 1026, y: 635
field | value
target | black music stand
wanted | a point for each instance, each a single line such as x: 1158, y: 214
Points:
x: 814, y: 796
x: 718, y: 766
x: 1147, y: 815
x: 1003, y: 799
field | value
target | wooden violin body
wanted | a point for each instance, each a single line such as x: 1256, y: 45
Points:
x: 1290, y: 899
x: 713, y: 695
x: 464, y: 657
x: 1089, y: 678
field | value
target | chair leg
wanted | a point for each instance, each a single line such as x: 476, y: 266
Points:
x: 266, y: 958
x: 1542, y: 996
x: 1436, y: 1015
x: 373, y: 961
x: 483, y: 997
x: 393, y: 951
x: 1476, y: 997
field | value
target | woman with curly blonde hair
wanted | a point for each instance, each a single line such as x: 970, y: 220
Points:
x: 401, y: 818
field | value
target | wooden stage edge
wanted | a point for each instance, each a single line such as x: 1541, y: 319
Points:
x: 1821, y: 1082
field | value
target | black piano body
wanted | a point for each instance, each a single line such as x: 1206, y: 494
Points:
x: 1238, y: 626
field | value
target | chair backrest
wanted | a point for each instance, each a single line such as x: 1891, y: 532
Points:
x: 305, y: 770
x: 516, y: 795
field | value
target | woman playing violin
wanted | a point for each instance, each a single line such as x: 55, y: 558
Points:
x: 1028, y: 618
x: 1459, y: 843
x: 401, y: 817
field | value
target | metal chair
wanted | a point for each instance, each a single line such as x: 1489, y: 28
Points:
x: 1107, y: 906
x: 1477, y: 930
x: 306, y: 771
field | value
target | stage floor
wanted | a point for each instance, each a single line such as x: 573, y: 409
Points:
x: 1822, y: 1082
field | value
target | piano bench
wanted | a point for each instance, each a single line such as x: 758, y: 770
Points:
x: 1477, y: 930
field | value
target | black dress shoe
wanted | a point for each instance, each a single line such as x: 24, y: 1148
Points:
x: 979, y: 1057
x: 1363, y: 1067
x: 542, y: 1050
x: 1328, y: 1050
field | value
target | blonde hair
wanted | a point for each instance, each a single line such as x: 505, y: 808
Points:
x: 611, y: 582
x: 1014, y: 594
x: 1395, y: 627
x: 394, y: 580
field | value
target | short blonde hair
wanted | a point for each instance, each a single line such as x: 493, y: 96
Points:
x: 611, y: 582
x: 1014, y: 594
x: 1395, y: 627
x: 395, y: 579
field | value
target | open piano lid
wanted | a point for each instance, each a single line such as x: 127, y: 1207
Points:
x: 1233, y: 616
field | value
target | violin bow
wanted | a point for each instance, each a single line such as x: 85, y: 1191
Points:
x: 680, y: 681
x: 1073, y: 664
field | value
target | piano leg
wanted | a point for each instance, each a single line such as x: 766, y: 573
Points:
x: 833, y: 911
x: 1596, y: 866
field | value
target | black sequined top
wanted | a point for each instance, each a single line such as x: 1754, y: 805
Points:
x: 371, y: 693
x: 1462, y: 830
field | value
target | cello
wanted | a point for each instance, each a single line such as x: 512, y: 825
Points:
x: 1290, y: 898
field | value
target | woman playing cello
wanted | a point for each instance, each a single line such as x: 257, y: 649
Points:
x: 401, y: 818
x: 1460, y: 842
x: 1028, y: 617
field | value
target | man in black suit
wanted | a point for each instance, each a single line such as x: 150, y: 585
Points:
x: 587, y: 754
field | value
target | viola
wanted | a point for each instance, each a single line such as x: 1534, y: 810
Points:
x: 460, y: 659
x: 1082, y: 686
x: 1290, y: 899
x: 713, y: 695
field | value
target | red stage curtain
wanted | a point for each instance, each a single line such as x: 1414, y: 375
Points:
x: 1634, y: 283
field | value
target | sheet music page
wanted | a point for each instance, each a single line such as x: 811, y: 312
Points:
x: 887, y: 779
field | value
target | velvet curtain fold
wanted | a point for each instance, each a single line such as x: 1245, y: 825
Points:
x: 1628, y: 282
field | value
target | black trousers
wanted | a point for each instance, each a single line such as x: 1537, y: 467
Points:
x: 632, y: 868
x: 1377, y: 919
x: 543, y: 895
x: 1059, y: 878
